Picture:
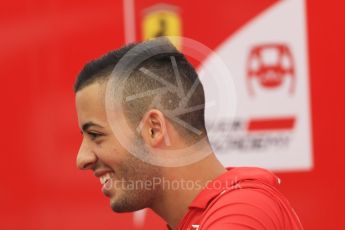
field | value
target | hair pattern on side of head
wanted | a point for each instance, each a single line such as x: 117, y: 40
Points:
x: 154, y: 77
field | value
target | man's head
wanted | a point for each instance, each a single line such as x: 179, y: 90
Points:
x: 156, y: 97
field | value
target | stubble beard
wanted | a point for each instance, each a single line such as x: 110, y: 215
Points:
x: 129, y: 199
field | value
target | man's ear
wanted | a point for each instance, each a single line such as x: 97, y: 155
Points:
x: 154, y: 130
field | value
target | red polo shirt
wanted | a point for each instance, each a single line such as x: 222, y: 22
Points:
x: 241, y: 198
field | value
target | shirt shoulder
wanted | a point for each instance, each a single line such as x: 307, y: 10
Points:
x: 241, y: 198
x: 251, y: 207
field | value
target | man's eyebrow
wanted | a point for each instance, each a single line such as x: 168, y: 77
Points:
x: 89, y: 124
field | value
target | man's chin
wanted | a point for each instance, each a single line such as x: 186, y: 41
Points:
x: 121, y: 206
x: 122, y: 209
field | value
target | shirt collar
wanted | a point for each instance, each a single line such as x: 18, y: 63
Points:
x: 212, y: 189
x: 231, y: 180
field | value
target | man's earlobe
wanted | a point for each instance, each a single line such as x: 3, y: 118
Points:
x: 153, y: 128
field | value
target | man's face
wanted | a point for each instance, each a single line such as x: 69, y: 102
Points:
x: 102, y: 153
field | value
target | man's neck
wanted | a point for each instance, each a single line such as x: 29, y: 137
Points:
x: 181, y: 185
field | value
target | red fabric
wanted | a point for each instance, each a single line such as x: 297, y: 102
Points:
x: 242, y: 198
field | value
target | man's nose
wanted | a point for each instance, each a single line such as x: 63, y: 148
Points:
x: 86, y: 157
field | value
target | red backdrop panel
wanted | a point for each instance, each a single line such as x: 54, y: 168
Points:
x: 43, y: 45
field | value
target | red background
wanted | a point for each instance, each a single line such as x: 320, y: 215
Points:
x: 43, y: 45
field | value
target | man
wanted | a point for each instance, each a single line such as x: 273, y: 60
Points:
x: 141, y: 112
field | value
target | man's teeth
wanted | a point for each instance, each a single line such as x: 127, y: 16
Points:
x: 106, y: 177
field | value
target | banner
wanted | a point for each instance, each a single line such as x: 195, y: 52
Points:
x: 264, y: 119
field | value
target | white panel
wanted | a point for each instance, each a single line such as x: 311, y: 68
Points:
x: 286, y: 149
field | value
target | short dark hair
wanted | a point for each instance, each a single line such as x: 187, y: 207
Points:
x: 160, y: 65
x: 100, y: 68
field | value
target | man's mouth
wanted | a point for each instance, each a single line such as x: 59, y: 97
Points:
x: 106, y: 177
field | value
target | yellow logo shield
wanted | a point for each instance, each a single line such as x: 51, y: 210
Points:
x: 162, y: 20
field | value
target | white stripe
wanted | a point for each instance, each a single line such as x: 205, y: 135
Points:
x: 129, y: 19
x: 139, y: 217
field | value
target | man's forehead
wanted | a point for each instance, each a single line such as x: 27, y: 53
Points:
x: 91, y: 93
x: 90, y: 104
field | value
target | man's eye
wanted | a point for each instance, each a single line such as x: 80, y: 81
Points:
x: 93, y: 135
